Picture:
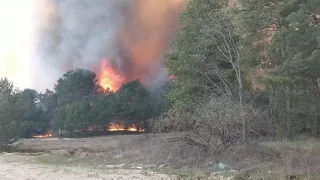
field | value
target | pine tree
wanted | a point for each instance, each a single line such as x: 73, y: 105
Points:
x: 289, y: 46
x: 196, y: 62
x: 295, y: 50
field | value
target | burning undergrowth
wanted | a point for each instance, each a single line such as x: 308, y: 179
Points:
x: 46, y: 135
x: 114, y: 127
x: 124, y: 127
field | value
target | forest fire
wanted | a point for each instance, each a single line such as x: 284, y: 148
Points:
x: 144, y: 38
x: 108, y: 79
x: 43, y: 135
x: 123, y: 127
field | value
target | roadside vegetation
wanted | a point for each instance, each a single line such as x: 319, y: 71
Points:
x: 246, y: 91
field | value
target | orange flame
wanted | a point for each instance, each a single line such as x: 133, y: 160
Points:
x: 43, y: 135
x: 145, y: 36
x: 108, y: 78
x: 122, y: 127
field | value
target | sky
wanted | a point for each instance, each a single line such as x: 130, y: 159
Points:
x: 17, y: 41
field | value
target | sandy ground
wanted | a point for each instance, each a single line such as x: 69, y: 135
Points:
x: 121, y: 149
x: 15, y: 166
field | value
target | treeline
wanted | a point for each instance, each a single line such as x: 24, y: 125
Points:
x: 76, y: 104
x: 246, y: 70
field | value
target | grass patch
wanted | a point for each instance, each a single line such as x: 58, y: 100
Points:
x: 50, y: 159
x: 183, y: 174
x: 305, y: 145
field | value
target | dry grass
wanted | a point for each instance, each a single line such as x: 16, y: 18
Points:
x: 298, y: 157
x: 160, y: 152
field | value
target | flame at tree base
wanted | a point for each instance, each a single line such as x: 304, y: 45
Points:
x: 43, y: 135
x: 121, y: 127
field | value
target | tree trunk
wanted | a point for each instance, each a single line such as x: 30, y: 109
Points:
x: 288, y: 119
x: 240, y: 93
x: 315, y: 126
x: 243, y: 120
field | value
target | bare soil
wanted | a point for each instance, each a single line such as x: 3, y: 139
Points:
x: 147, y: 149
x: 142, y: 156
x: 15, y: 166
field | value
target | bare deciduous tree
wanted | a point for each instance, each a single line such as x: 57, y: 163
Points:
x: 217, y: 124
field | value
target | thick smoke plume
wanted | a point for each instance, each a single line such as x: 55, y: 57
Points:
x: 128, y: 36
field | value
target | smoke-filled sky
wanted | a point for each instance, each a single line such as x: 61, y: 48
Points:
x: 42, y: 39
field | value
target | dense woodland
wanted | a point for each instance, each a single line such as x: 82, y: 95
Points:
x: 241, y: 71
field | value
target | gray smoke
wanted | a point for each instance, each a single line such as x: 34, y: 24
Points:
x: 78, y: 34
x: 131, y: 34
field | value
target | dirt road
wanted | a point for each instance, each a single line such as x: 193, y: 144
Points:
x: 15, y: 166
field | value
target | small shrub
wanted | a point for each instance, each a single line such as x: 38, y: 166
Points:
x: 217, y: 124
x: 171, y: 121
